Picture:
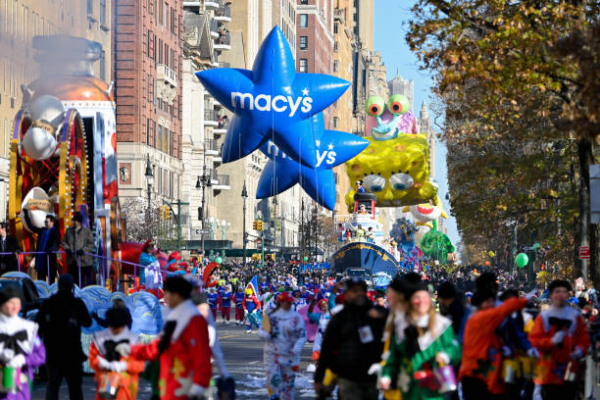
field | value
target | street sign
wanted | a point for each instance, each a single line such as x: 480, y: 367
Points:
x: 584, y: 253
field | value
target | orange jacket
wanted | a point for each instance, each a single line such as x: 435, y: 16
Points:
x: 129, y: 379
x: 552, y: 365
x: 482, y: 357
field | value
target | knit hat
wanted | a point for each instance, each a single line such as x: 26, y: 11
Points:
x: 117, y: 317
x: 446, y: 291
x: 482, y: 295
x: 412, y: 288
x: 179, y: 285
x: 66, y: 282
x: 10, y: 292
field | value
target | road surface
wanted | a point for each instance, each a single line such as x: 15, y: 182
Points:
x: 244, y: 357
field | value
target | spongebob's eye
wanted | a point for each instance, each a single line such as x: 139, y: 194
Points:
x: 374, y: 183
x: 401, y: 182
x: 398, y: 104
x: 375, y: 106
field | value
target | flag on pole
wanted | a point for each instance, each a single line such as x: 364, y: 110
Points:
x: 253, y: 285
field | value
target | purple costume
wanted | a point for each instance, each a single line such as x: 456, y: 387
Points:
x: 21, y: 336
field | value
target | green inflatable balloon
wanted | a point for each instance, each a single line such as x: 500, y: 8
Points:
x: 305, y: 258
x: 218, y: 260
x: 522, y: 260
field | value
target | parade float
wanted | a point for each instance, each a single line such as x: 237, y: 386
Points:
x: 63, y: 155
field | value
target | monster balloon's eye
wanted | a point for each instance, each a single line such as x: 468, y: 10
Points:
x: 374, y: 183
x: 398, y: 104
x: 401, y: 181
x: 375, y: 106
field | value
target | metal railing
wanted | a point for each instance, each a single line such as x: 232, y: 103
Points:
x: 211, y: 144
x: 104, y: 270
x: 224, y: 38
x: 223, y: 180
x: 211, y: 115
x: 224, y: 10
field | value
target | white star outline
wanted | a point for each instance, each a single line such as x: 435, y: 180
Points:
x: 330, y: 147
x: 305, y: 92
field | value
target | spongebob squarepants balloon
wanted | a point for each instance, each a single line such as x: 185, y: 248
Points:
x: 395, y: 165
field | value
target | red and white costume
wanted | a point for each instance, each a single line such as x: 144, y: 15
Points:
x: 185, y: 363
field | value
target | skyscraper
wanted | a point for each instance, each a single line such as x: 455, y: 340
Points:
x: 399, y: 85
x: 426, y: 128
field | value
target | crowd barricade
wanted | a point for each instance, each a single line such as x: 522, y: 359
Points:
x: 104, y: 269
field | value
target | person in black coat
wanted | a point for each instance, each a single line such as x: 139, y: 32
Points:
x: 60, y: 320
x: 352, y: 344
x: 48, y: 241
x: 8, y: 244
x: 452, y: 305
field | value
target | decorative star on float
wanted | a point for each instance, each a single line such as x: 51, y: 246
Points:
x: 332, y: 148
x: 272, y: 102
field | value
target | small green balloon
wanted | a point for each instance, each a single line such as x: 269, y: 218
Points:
x: 218, y: 260
x: 522, y: 260
x: 536, y: 246
x: 305, y: 258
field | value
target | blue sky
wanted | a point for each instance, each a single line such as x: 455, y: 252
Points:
x: 391, y: 26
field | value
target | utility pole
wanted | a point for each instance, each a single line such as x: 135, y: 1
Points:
x: 244, y: 196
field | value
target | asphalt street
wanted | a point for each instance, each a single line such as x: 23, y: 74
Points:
x: 244, y: 358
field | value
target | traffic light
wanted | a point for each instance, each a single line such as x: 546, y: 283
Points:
x: 161, y: 212
x: 257, y: 225
x: 167, y: 212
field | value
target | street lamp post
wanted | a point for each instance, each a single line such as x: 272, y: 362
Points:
x: 150, y: 181
x: 244, y: 196
x: 203, y: 182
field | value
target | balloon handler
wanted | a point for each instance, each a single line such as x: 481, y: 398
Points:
x: 252, y: 315
x: 117, y: 375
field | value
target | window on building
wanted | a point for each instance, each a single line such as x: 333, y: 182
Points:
x: 173, y: 21
x: 303, y: 65
x: 103, y: 66
x: 102, y: 12
x: 148, y: 44
x: 336, y: 123
x: 335, y: 47
x: 161, y: 11
x: 304, y: 2
x: 336, y: 66
x: 335, y: 28
x: 166, y: 20
x: 90, y: 7
x: 303, y: 20
x: 148, y: 130
x: 160, y: 137
x: 160, y: 51
x: 303, y: 42
x: 154, y: 134
x: 167, y: 54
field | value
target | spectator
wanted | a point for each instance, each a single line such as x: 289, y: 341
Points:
x: 452, y: 305
x: 77, y: 241
x: 60, y: 319
x: 8, y: 244
x: 48, y: 242
x: 352, y: 344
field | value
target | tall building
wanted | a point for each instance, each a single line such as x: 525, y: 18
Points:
x: 399, y: 85
x: 315, y: 40
x: 376, y: 77
x: 426, y: 128
x: 20, y: 22
x: 206, y: 38
x: 342, y: 108
x: 284, y: 15
x: 147, y: 74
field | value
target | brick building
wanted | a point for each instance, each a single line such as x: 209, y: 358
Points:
x: 147, y: 73
x: 314, y: 40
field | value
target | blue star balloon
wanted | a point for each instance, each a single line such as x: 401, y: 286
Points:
x: 332, y: 148
x: 272, y: 102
